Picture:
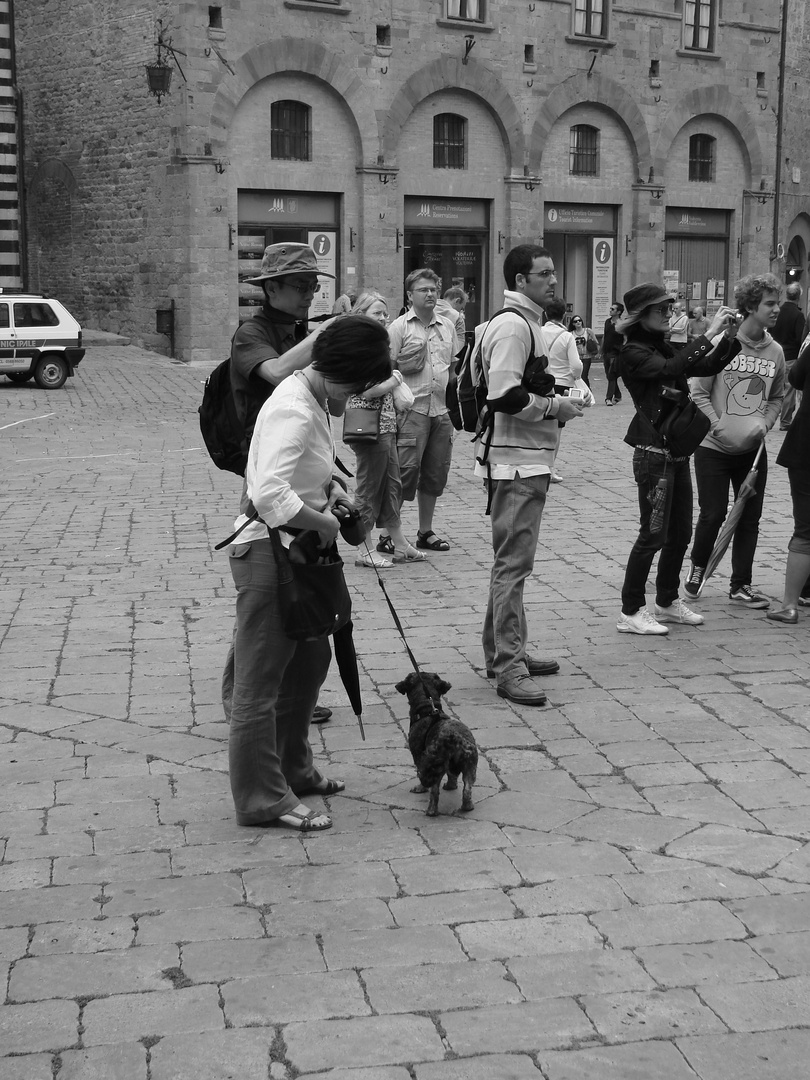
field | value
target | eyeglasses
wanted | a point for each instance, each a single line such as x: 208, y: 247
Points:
x: 310, y: 287
x: 540, y: 273
x: 425, y: 290
x: 662, y: 309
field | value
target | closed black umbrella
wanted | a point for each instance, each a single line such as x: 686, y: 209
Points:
x: 346, y: 658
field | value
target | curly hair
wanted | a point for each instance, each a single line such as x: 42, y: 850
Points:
x: 555, y: 310
x: 749, y: 291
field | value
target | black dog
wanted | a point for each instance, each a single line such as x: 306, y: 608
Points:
x: 440, y: 745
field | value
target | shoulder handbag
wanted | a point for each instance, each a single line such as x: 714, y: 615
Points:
x: 684, y: 428
x: 361, y: 426
x: 312, y: 590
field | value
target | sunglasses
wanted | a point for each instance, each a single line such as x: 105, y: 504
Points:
x: 310, y: 287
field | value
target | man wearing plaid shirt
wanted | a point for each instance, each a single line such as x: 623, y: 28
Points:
x: 423, y: 346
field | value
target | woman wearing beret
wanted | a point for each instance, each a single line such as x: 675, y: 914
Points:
x: 648, y: 364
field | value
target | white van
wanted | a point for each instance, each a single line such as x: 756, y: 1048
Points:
x: 39, y: 339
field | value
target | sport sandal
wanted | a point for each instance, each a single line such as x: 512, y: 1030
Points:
x: 429, y: 541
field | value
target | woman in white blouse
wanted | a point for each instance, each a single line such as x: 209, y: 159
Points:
x: 289, y: 483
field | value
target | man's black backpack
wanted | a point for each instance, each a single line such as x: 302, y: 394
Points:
x: 222, y: 430
x: 466, y: 397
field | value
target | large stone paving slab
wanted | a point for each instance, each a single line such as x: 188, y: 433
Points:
x: 634, y: 871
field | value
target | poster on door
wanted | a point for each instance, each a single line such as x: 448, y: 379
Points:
x: 324, y: 244
x: 601, y: 281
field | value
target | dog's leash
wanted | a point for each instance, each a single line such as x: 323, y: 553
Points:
x: 392, y: 609
x: 434, y: 711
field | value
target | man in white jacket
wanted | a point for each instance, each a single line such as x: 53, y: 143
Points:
x: 743, y: 403
x: 520, y: 461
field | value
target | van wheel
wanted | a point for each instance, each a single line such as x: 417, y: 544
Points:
x: 50, y: 372
x: 18, y: 376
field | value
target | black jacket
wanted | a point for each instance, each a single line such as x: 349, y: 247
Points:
x: 795, y: 452
x: 647, y: 363
x: 789, y: 330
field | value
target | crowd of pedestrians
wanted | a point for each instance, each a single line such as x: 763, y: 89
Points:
x: 732, y: 364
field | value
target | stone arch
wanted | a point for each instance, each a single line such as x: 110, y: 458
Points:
x: 53, y: 227
x: 56, y: 170
x: 448, y: 74
x: 713, y: 101
x: 594, y: 90
x: 797, y: 244
x: 300, y: 57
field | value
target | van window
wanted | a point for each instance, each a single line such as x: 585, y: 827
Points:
x: 4, y: 316
x: 35, y: 315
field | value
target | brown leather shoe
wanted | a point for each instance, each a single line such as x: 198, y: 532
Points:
x: 321, y: 714
x: 536, y: 666
x: 523, y: 690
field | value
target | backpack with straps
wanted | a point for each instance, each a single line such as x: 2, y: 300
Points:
x: 467, y: 402
x: 222, y: 430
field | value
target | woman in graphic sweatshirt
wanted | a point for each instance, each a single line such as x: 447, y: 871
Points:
x: 743, y: 403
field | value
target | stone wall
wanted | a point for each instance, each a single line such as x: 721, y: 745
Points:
x: 153, y: 188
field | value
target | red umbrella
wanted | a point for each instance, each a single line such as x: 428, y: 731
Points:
x: 729, y: 526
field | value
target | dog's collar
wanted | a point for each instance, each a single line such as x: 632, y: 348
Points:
x: 427, y: 709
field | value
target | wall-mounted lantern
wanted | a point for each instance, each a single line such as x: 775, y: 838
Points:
x: 159, y: 74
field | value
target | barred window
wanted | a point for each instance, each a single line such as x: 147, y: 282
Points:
x: 469, y: 10
x: 701, y: 158
x: 590, y: 18
x: 449, y: 141
x: 290, y: 131
x: 698, y: 24
x: 584, y: 150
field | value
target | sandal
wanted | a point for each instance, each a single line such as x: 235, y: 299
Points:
x: 385, y: 544
x: 410, y: 554
x: 332, y: 787
x: 372, y: 561
x: 302, y: 822
x: 423, y: 540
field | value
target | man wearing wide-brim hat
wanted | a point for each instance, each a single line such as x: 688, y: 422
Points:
x: 271, y: 346
x: 289, y: 279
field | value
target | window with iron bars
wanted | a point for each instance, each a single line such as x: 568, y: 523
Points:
x: 698, y: 24
x: 584, y: 151
x: 701, y: 158
x: 290, y: 131
x: 449, y: 141
x: 590, y: 18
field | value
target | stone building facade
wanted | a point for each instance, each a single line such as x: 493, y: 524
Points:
x: 634, y: 139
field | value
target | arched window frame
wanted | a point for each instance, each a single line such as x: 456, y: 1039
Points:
x: 290, y: 131
x: 583, y: 158
x: 702, y: 158
x: 449, y: 141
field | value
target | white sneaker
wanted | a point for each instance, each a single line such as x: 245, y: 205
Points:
x: 678, y: 612
x: 640, y: 623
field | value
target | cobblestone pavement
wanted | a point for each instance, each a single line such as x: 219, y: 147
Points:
x: 629, y: 899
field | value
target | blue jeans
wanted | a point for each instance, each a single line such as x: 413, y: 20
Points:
x: 269, y: 689
x: 673, y: 539
x: 517, y: 509
x: 714, y: 471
